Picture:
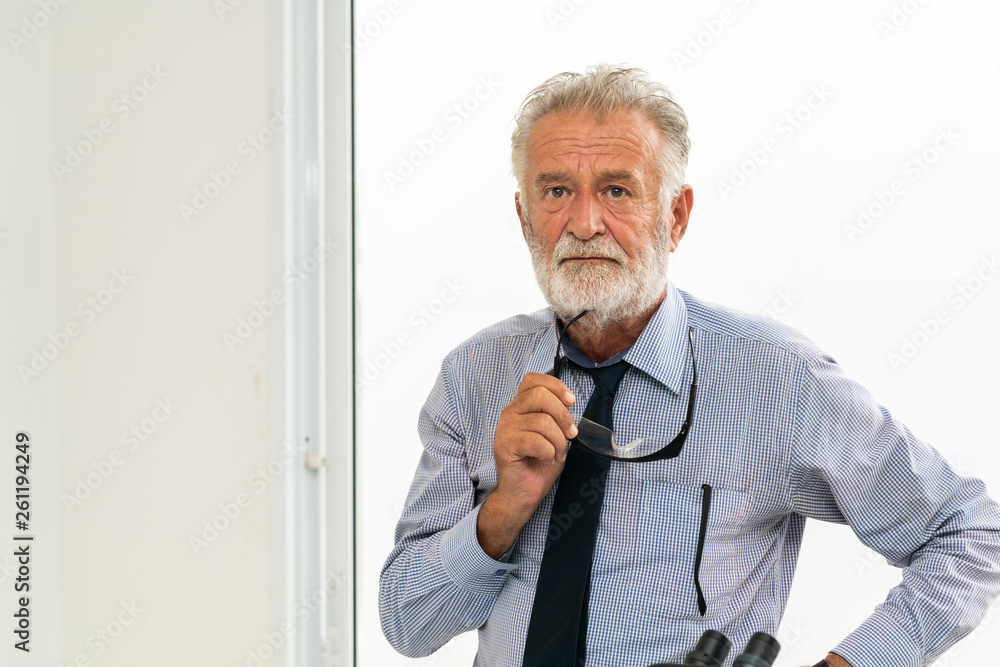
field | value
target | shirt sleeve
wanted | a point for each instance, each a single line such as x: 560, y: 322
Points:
x: 438, y: 582
x: 853, y: 463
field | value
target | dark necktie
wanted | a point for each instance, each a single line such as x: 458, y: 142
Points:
x: 557, y: 631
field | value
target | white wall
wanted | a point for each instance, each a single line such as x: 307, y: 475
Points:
x: 159, y: 338
x: 448, y: 226
x: 782, y: 233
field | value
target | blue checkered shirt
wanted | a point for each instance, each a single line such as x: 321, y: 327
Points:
x: 779, y: 433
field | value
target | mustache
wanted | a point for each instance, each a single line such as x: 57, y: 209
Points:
x: 598, y: 247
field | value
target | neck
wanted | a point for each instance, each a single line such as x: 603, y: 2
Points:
x: 601, y: 344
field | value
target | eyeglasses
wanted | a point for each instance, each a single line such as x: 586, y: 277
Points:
x: 601, y: 440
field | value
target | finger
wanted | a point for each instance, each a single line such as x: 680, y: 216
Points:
x: 531, y: 444
x: 553, y: 384
x: 522, y: 436
x: 544, y: 425
x: 541, y: 400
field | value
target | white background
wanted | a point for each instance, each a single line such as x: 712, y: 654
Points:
x: 450, y: 222
x: 780, y: 237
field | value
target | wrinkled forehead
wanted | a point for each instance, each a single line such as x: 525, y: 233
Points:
x: 619, y: 140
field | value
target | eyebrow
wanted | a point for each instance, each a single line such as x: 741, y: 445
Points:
x: 551, y: 177
x: 621, y: 177
x: 557, y: 176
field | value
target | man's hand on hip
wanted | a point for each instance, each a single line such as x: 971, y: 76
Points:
x: 832, y: 660
x: 530, y: 451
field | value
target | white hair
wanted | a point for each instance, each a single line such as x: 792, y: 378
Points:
x: 612, y: 293
x: 600, y: 91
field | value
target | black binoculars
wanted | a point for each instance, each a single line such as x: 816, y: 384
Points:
x: 713, y: 647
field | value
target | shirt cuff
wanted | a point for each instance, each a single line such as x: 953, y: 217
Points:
x: 879, y: 642
x: 467, y: 564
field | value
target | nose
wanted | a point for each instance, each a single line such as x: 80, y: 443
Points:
x: 586, y: 218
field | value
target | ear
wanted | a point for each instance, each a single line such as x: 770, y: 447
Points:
x: 681, y: 214
x: 520, y: 214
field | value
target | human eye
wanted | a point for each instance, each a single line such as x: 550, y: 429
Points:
x: 617, y: 192
x: 556, y: 192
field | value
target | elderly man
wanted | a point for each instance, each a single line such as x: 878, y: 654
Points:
x: 701, y: 439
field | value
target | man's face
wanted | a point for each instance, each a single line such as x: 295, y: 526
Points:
x: 590, y: 213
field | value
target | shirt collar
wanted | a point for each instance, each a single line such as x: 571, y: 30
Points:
x: 661, y: 350
x: 573, y: 353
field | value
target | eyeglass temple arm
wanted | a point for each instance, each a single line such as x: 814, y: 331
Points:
x: 557, y: 363
x: 694, y: 387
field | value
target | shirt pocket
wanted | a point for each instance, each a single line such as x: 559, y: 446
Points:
x: 685, y: 549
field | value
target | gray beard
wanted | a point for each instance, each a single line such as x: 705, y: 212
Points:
x: 612, y: 292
